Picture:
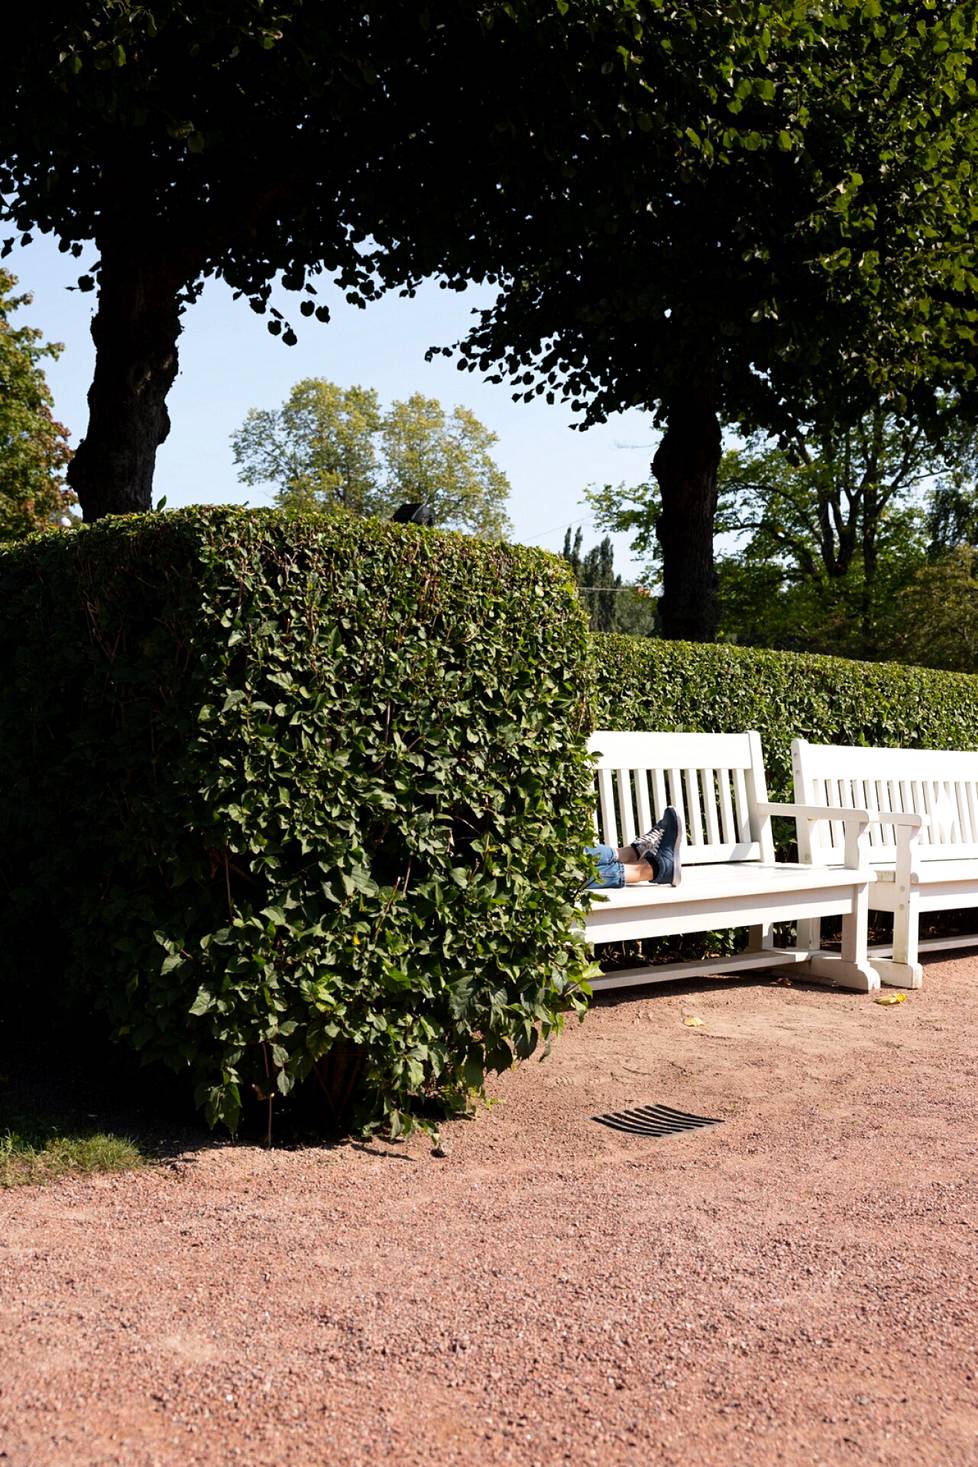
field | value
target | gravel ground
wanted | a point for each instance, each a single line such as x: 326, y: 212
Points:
x: 797, y: 1285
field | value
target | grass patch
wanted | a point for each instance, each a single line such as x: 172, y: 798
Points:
x: 84, y: 1110
x: 25, y: 1159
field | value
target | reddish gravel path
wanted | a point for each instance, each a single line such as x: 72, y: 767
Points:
x: 795, y: 1286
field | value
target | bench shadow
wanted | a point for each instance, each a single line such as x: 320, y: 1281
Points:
x: 712, y: 983
x: 760, y: 978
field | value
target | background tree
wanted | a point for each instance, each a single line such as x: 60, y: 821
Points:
x: 935, y: 620
x: 255, y: 144
x: 319, y: 447
x: 829, y: 526
x: 334, y: 447
x: 34, y: 448
x: 614, y: 607
x: 766, y: 223
x: 952, y: 515
x: 843, y: 506
x: 445, y: 462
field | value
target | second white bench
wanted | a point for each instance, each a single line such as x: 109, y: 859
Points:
x: 923, y: 842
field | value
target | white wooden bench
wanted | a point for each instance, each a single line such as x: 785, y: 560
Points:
x: 923, y: 842
x: 730, y: 875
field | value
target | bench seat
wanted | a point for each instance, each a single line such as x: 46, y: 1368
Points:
x: 735, y: 879
x: 931, y: 873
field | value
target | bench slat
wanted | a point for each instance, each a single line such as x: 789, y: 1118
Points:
x: 728, y: 827
x: 661, y: 799
x: 633, y: 749
x: 826, y: 760
x: 694, y: 819
x: 675, y: 785
x: 710, y: 807
x: 608, y: 827
x: 625, y: 812
x: 645, y: 816
x: 740, y: 804
x: 972, y: 802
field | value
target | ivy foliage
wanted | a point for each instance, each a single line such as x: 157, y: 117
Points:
x: 286, y: 787
x: 688, y: 687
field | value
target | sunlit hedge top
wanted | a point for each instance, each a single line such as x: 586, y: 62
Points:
x: 644, y: 683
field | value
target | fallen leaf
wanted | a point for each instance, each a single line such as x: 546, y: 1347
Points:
x: 890, y: 998
x: 692, y: 1022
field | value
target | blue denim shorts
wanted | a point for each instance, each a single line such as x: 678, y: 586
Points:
x: 611, y: 872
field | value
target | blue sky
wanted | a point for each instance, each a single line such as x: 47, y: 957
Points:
x: 229, y: 363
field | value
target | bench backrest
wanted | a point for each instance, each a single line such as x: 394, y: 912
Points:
x: 715, y: 781
x: 939, y: 783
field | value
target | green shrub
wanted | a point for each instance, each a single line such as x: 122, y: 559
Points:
x: 279, y: 789
x: 649, y: 684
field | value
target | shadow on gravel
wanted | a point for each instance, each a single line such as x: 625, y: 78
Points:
x: 763, y: 978
x: 709, y: 983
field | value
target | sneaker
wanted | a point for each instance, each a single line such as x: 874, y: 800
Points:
x: 660, y: 847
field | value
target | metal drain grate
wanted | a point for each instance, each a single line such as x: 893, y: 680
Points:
x: 654, y: 1120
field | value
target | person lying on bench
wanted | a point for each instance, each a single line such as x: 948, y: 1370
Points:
x: 653, y: 857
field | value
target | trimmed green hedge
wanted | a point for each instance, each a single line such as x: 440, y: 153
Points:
x: 279, y: 789
x: 686, y: 686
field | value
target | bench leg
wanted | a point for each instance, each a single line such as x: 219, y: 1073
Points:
x: 851, y: 968
x: 760, y: 939
x: 903, y: 970
x: 809, y: 933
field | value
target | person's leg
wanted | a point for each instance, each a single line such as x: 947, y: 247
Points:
x: 614, y: 870
x: 611, y: 872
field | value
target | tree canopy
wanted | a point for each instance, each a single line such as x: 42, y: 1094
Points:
x: 34, y: 448
x: 335, y: 447
x: 744, y: 213
x: 768, y: 222
x: 257, y: 143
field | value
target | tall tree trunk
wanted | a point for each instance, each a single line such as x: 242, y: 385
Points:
x: 135, y: 331
x: 685, y: 466
x: 867, y: 610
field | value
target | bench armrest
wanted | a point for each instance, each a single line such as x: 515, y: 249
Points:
x: 840, y: 812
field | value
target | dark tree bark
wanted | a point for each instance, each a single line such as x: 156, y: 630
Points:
x: 135, y: 331
x: 871, y: 513
x: 685, y: 466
